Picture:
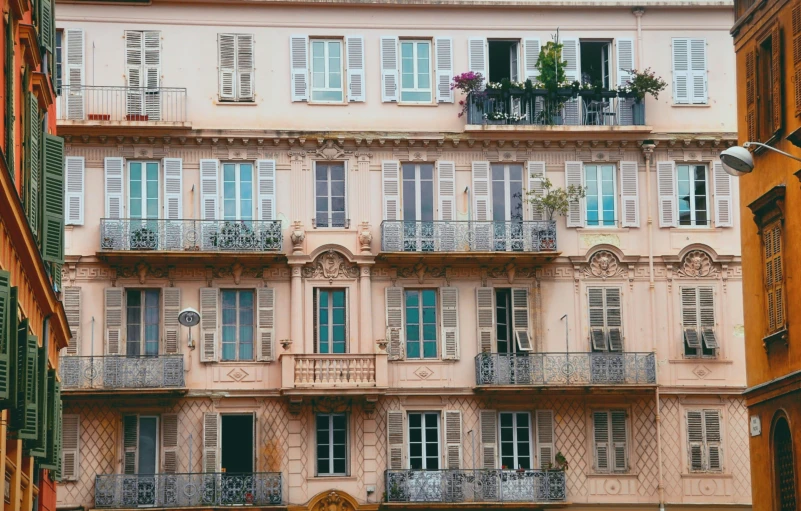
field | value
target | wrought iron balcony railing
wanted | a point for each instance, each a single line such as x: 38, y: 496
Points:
x: 108, y: 104
x: 122, y: 372
x: 478, y: 485
x: 180, y: 235
x: 188, y: 490
x: 566, y: 369
x: 467, y: 236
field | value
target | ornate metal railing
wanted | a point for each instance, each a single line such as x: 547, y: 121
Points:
x: 467, y: 236
x: 109, y: 104
x: 335, y: 370
x: 478, y: 485
x: 206, y: 235
x: 566, y: 369
x: 122, y: 372
x: 188, y: 490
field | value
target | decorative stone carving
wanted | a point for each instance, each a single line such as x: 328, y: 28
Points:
x: 331, y: 404
x: 297, y: 236
x: 333, y: 502
x: 421, y: 271
x: 697, y: 265
x: 382, y: 344
x: 603, y: 264
x: 286, y: 344
x: 365, y: 237
x: 331, y: 265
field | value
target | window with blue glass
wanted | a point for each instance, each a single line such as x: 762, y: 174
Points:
x: 143, y: 315
x: 600, y: 184
x: 332, y: 323
x: 237, y: 324
x: 329, y: 195
x: 415, y: 72
x: 143, y: 189
x: 421, y: 323
x: 332, y: 444
x: 237, y: 191
x: 326, y: 71
x: 693, y: 198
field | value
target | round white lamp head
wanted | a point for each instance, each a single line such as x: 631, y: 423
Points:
x: 189, y: 317
x: 737, y: 161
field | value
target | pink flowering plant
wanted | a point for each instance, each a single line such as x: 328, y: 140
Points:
x: 469, y: 82
x: 644, y: 82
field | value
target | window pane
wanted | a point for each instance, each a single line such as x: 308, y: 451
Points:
x: 147, y: 445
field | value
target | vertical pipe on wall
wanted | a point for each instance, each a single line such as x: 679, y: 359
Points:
x: 366, y: 310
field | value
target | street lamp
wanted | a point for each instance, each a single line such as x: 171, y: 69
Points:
x: 737, y: 161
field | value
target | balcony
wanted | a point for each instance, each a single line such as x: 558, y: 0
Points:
x: 202, y: 490
x: 349, y: 373
x: 565, y: 369
x: 532, y: 487
x: 122, y: 106
x: 113, y: 372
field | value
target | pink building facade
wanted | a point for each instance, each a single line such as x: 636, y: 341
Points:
x: 385, y: 320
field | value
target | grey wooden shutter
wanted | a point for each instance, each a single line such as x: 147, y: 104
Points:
x: 113, y: 320
x: 389, y: 69
x: 171, y: 306
x: 70, y: 447
x: 713, y: 440
x: 681, y: 70
x: 695, y: 440
x: 390, y: 179
x: 74, y: 73
x: 597, y: 318
x: 393, y: 297
x: 173, y: 188
x: 74, y: 189
x: 488, y: 421
x: 453, y: 438
x: 245, y: 57
x: 520, y: 319
x: 574, y: 176
x: 152, y: 74
x: 71, y: 298
x: 536, y: 175
x: 485, y: 319
x: 209, y: 189
x: 444, y: 63
x: 723, y: 195
x: 546, y: 447
x: 531, y: 55
x: 395, y: 439
x: 600, y: 421
x: 614, y: 318
x: 113, y: 181
x: 698, y: 73
x: 629, y: 194
x: 571, y: 54
x: 619, y: 440
x: 449, y: 319
x: 666, y: 189
x: 266, y: 172
x: 266, y: 318
x: 689, y: 317
x: 209, y: 297
x: 477, y: 56
x: 211, y: 442
x: 482, y: 201
x: 446, y: 186
x: 299, y: 66
x: 226, y: 62
x: 706, y: 317
x: 130, y: 442
x: 169, y: 443
x: 354, y: 46
x: 624, y: 51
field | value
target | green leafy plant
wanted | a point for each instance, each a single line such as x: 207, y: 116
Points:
x: 644, y: 82
x: 551, y: 67
x: 555, y: 200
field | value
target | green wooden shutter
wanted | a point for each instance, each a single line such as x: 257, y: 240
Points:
x: 38, y: 447
x: 53, y: 200
x: 10, y: 340
x: 46, y: 24
x: 32, y: 156
x: 26, y: 418
x: 9, y: 70
x: 60, y: 437
x: 52, y: 457
x: 5, y: 325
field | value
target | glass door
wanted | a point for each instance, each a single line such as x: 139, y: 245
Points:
x: 143, y: 204
x: 418, y: 207
x: 425, y: 482
x: 147, y: 456
x: 237, y: 232
x: 507, y: 206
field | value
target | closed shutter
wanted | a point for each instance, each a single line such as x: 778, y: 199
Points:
x: 485, y: 319
x: 74, y: 73
x: 796, y: 26
x: 750, y: 90
x: 393, y: 297
x: 713, y: 438
x: 245, y: 58
x: 354, y: 45
x: 209, y: 186
x: 482, y: 205
x: 26, y: 416
x: 70, y: 447
x: 681, y: 71
x: 390, y: 179
x: 546, y: 448
x: 395, y: 439
x: 477, y: 59
x: 266, y: 317
x: 614, y: 318
x: 113, y: 319
x: 389, y: 69
x: 520, y: 319
x: 53, y: 200
x: 133, y: 68
x: 536, y: 176
x: 695, y: 440
x: 226, y: 62
x: 698, y: 72
x: 446, y: 185
x: 444, y: 56
x: 38, y: 447
x: 33, y: 164
x: 449, y: 314
x: 723, y: 196
x: 169, y: 443
x: 113, y: 183
x: 624, y: 48
x: 488, y: 421
x: 600, y: 422
x: 71, y: 298
x: 10, y: 340
x: 46, y: 24
x: 152, y: 74
x: 574, y: 176
x: 666, y: 189
x: 619, y: 441
x: 571, y: 54
x: 706, y: 316
x: 211, y: 442
x: 6, y: 333
x: 630, y: 193
x: 597, y: 318
x: 173, y: 187
x: 130, y: 442
x: 171, y: 305
x: 52, y: 459
x: 531, y: 55
x: 299, y: 66
x: 689, y: 317
x: 209, y: 297
x: 453, y: 438
x: 774, y: 275
x: 74, y: 184
x: 266, y: 172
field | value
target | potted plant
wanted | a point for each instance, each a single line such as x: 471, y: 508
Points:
x: 639, y: 84
x: 472, y: 86
x: 551, y: 70
x: 555, y: 200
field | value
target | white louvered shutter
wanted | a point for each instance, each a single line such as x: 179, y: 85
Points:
x: 211, y: 442
x: 713, y: 439
x: 488, y: 421
x: 485, y: 319
x: 706, y: 317
x: 389, y: 69
x: 209, y: 186
x: 171, y: 305
x: 597, y: 318
x: 393, y: 297
x: 245, y: 73
x: 482, y: 204
x: 666, y: 189
x: 695, y: 440
x: 624, y: 51
x: 449, y: 314
x: 446, y: 185
x: 209, y: 297
x: 299, y: 66
x: 681, y: 70
x: 354, y: 46
x: 74, y: 172
x: 600, y: 421
x: 134, y: 60
x: 266, y: 333
x: 574, y: 176
x: 444, y: 62
x: 520, y: 320
x: 226, y: 62
x: 723, y: 196
x: 536, y: 175
x: 453, y: 438
x: 619, y: 449
x: 113, y: 183
x: 531, y: 55
x: 169, y: 443
x: 266, y: 172
x: 571, y: 54
x: 71, y: 298
x: 130, y: 442
x: 173, y: 188
x: 395, y: 439
x: 689, y: 317
x: 477, y: 56
x: 614, y: 318
x: 546, y: 448
x: 74, y: 73
x: 152, y: 74
x: 698, y: 73
x: 113, y: 319
x: 390, y: 180
x: 629, y: 194
x: 70, y: 447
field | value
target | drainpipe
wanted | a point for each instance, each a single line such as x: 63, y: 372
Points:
x: 638, y: 12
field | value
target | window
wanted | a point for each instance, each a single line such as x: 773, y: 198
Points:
x: 143, y: 189
x: 143, y: 317
x: 689, y: 71
x: 601, y: 194
x: 415, y: 72
x: 58, y: 59
x: 511, y: 318
x: 326, y: 71
x: 332, y: 444
x: 764, y: 83
x: 237, y: 325
x: 693, y: 195
x: 418, y: 206
x: 774, y: 276
x: 515, y: 440
x: 504, y: 60
x: 507, y: 206
x: 143, y: 73
x: 421, y: 323
x: 704, y: 441
x: 595, y: 69
x: 237, y: 191
x: 605, y: 319
x: 698, y: 321
x: 424, y: 440
x: 609, y: 434
x: 784, y: 470
x: 331, y: 324
x: 140, y: 442
x: 235, y: 57
x: 329, y: 185
x: 237, y: 454
x: 70, y: 447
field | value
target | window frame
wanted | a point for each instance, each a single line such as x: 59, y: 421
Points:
x: 331, y: 458
x: 421, y: 324
x: 507, y: 190
x: 416, y: 71
x: 237, y: 342
x: 770, y: 282
x: 329, y: 212
x: 693, y: 211
x: 326, y: 73
x: 143, y: 342
x: 236, y: 70
x: 238, y: 191
x: 610, y: 440
x: 330, y: 326
x: 156, y: 441
x: 703, y: 352
x: 144, y: 198
x: 516, y: 440
x: 58, y: 60
x: 424, y: 454
x: 601, y: 222
x: 705, y: 443
x: 418, y: 181
x: 606, y: 328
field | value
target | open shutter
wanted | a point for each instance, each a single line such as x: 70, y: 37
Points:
x: 38, y: 447
x: 211, y: 442
x: 389, y: 69
x: 208, y: 323
x: 33, y: 164
x: 74, y: 183
x: 698, y: 73
x: 629, y: 193
x: 536, y: 175
x: 689, y: 316
x: 574, y: 176
x: 796, y: 26
x: 777, y: 115
x: 695, y: 440
x: 485, y: 319
x: 446, y: 185
x: 395, y: 331
x: 113, y: 319
x: 681, y: 71
x: 477, y: 56
x: 624, y: 48
x: 395, y: 439
x: 226, y: 61
x: 46, y: 22
x: 666, y: 188
x: 173, y: 186
x: 130, y: 437
x: 209, y: 185
x: 390, y: 179
x: 706, y: 316
x: 750, y: 89
x: 453, y: 438
x: 6, y: 332
x: 531, y: 55
x: 299, y: 66
x: 520, y: 320
x: 53, y: 200
x: 266, y: 339
x: 266, y: 172
x: 70, y: 447
x: 571, y: 54
x: 169, y: 443
x: 244, y: 67
x: 449, y: 314
x: 113, y: 181
x: 714, y: 450
x: 482, y: 205
x: 71, y: 298
x: 545, y: 438
x: 488, y: 421
x: 619, y: 443
x: 9, y: 340
x: 74, y: 73
x: 171, y: 305
x: 614, y: 318
x: 354, y: 46
x: 25, y: 417
x: 600, y: 421
x: 723, y: 196
x: 597, y: 318
x: 444, y: 54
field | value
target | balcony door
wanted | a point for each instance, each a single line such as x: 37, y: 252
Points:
x: 237, y: 191
x: 237, y: 441
x: 143, y: 204
x: 418, y: 207
x: 143, y: 72
x: 426, y: 484
x: 143, y: 316
x: 140, y: 445
x: 330, y: 320
x: 507, y: 206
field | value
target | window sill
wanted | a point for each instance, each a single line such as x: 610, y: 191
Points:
x: 330, y: 478
x: 323, y: 103
x: 701, y: 360
x: 235, y: 103
x: 699, y: 228
x: 432, y: 361
x: 602, y: 230
x: 616, y: 475
x: 705, y: 105
x: 417, y: 104
x: 706, y: 475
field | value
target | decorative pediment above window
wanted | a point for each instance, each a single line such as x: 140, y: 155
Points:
x: 604, y: 264
x: 697, y: 264
x: 331, y: 265
x: 769, y: 207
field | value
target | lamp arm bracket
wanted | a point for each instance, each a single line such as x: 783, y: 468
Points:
x: 766, y: 146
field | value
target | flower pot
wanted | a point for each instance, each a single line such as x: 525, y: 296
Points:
x: 638, y: 113
x: 606, y: 94
x: 556, y: 119
x: 565, y: 92
x: 586, y: 93
x: 539, y: 92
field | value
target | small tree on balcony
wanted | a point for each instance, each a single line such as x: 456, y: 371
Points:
x: 555, y: 200
x: 469, y: 82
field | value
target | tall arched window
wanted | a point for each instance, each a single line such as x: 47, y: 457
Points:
x: 783, y: 466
